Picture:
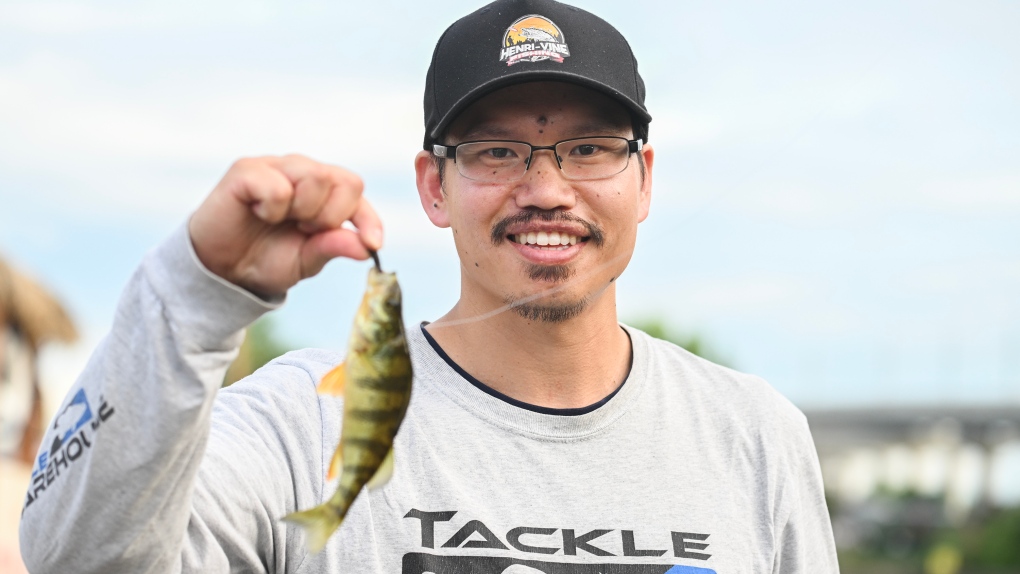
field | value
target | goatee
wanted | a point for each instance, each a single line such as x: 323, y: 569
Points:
x: 556, y: 313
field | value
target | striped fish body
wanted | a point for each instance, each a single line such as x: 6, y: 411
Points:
x: 375, y: 379
x: 378, y: 385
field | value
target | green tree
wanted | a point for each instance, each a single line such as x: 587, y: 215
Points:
x: 996, y: 542
x: 692, y: 342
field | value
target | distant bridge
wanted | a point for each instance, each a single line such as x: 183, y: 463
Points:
x: 969, y: 454
x: 838, y: 429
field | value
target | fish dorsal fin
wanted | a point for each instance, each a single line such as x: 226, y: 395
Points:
x: 334, y: 381
x: 336, y: 464
x: 383, y: 473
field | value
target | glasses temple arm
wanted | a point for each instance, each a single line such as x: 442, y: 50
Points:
x: 444, y: 151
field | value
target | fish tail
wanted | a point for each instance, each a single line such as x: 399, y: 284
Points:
x: 319, y: 523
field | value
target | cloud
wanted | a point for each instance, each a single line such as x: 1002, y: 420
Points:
x: 62, y: 17
x: 161, y: 147
x: 57, y: 18
x: 739, y: 110
x: 981, y: 193
x: 408, y: 228
x: 961, y: 277
x: 714, y: 296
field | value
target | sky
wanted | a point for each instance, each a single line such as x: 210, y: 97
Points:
x: 836, y: 199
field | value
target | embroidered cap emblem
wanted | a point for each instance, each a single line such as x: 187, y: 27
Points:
x: 533, y: 38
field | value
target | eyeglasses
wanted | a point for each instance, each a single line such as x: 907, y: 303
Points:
x: 505, y: 161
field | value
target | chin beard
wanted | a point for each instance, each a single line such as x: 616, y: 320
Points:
x: 551, y: 273
x: 548, y: 313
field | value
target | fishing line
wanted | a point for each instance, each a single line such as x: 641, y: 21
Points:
x: 543, y: 293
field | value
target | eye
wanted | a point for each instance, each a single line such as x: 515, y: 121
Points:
x: 499, y: 152
x: 585, y: 150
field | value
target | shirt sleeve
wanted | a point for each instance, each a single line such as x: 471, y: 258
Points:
x: 263, y: 460
x: 804, y: 542
x: 129, y: 477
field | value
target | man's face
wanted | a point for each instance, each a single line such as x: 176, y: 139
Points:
x: 499, y: 228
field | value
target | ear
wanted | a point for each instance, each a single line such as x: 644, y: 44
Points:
x: 430, y: 189
x: 645, y: 199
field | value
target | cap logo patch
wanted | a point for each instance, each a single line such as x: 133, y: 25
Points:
x: 533, y: 38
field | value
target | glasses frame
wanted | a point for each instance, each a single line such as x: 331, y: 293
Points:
x: 450, y: 152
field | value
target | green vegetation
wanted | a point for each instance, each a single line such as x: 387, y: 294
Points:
x: 994, y: 541
x: 693, y: 343
x: 260, y: 346
x: 911, y: 539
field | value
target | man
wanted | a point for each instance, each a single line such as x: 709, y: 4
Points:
x: 543, y: 438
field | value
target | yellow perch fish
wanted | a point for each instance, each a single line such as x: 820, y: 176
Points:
x: 375, y: 379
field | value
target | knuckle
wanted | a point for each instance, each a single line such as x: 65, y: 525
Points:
x: 329, y: 219
x: 280, y: 192
x: 319, y: 172
x: 354, y: 182
x: 294, y: 157
x: 244, y: 164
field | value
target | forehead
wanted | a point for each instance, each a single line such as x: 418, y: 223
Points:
x: 566, y: 110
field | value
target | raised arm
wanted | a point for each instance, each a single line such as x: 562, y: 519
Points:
x: 115, y: 485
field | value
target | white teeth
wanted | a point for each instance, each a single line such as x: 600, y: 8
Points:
x: 544, y: 239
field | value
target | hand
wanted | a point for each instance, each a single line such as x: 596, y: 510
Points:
x: 273, y: 221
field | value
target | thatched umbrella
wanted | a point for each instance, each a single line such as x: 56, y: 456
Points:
x: 33, y: 314
x: 31, y: 310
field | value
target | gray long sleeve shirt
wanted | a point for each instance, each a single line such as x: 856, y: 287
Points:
x: 690, y: 468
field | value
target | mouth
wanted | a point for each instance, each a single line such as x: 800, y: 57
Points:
x: 546, y: 230
x: 547, y: 240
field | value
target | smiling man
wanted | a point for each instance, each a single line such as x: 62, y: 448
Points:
x: 545, y: 219
x: 542, y: 435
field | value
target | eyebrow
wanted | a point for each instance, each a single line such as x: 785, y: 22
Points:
x: 593, y: 127
x: 486, y: 131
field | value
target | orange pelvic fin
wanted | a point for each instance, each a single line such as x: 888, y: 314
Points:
x: 336, y: 464
x: 333, y: 382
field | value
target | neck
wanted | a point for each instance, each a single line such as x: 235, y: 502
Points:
x: 567, y: 364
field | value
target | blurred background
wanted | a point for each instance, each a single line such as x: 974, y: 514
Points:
x: 836, y: 208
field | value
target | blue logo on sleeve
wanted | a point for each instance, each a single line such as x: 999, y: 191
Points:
x: 74, y: 416
x: 71, y: 436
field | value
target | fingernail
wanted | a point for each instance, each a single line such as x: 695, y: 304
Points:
x: 374, y: 238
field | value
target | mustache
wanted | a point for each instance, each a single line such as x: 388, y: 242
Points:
x: 499, y: 231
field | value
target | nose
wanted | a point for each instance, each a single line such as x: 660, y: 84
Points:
x: 543, y: 185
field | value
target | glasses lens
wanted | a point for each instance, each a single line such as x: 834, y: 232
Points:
x: 493, y: 161
x: 593, y: 158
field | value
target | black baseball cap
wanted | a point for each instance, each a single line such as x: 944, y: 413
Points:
x: 515, y: 41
